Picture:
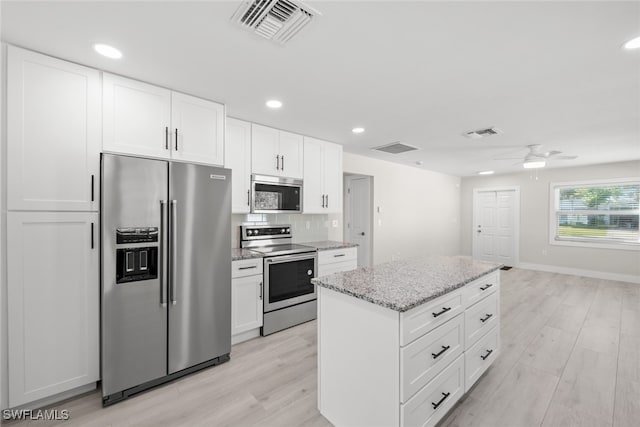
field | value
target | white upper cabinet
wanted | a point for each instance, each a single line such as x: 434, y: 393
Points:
x: 198, y: 129
x: 136, y: 117
x: 146, y: 120
x: 322, y: 176
x: 276, y: 153
x: 237, y: 157
x: 53, y: 134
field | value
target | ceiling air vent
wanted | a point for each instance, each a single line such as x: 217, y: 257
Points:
x: 481, y: 133
x: 277, y: 20
x: 395, y: 148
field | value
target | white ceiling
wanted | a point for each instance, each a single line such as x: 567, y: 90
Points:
x: 423, y: 73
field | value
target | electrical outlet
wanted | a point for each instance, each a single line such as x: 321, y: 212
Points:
x: 544, y: 252
x: 334, y: 223
x: 308, y: 224
x: 379, y: 223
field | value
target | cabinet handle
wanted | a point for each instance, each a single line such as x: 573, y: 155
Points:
x: 92, y: 240
x: 444, y: 397
x: 339, y: 255
x: 444, y: 310
x: 489, y: 316
x: 277, y: 162
x: 93, y: 178
x: 282, y: 167
x: 248, y: 197
x: 323, y: 200
x: 176, y: 139
x: 327, y: 201
x: 444, y: 348
x: 248, y: 268
x: 484, y: 288
x: 260, y: 291
x: 486, y: 355
x: 166, y: 137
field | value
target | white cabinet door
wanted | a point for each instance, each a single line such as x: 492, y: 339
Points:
x: 53, y: 303
x: 53, y: 133
x: 237, y: 157
x: 246, y: 304
x: 264, y: 150
x: 313, y: 192
x: 291, y: 155
x: 332, y: 174
x: 135, y: 117
x: 198, y: 125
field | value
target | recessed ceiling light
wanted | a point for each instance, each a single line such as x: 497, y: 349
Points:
x: 357, y: 130
x: 108, y: 51
x: 534, y: 164
x: 274, y: 103
x: 485, y: 173
x: 633, y: 43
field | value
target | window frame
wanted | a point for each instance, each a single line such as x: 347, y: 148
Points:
x: 578, y: 242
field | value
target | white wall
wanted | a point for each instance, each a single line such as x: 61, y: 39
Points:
x: 534, y: 219
x: 419, y: 209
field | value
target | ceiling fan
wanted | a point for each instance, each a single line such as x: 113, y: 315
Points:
x: 536, y: 158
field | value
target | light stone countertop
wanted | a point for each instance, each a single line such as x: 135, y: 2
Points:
x: 326, y: 245
x: 241, y: 253
x: 405, y: 284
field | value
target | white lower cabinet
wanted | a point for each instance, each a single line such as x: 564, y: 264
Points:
x: 479, y: 357
x: 246, y: 299
x: 53, y: 303
x: 337, y: 260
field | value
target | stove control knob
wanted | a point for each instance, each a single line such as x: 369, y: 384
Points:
x: 282, y: 231
x: 288, y: 230
x: 249, y: 232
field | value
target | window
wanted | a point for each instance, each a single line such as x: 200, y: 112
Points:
x: 598, y: 213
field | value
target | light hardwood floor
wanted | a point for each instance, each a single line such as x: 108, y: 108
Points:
x: 570, y: 356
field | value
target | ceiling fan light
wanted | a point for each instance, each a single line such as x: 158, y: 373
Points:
x: 534, y: 164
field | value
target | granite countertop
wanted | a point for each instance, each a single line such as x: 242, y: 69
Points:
x: 403, y: 285
x: 241, y: 253
x: 326, y: 245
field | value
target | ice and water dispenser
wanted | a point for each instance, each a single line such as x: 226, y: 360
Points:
x: 135, y: 262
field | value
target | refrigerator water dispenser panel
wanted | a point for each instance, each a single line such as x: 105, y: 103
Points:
x: 136, y: 235
x: 135, y: 264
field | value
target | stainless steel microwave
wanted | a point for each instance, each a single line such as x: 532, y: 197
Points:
x: 272, y: 194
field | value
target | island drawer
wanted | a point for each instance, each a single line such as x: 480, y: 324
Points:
x: 246, y: 267
x: 424, y: 318
x: 479, y: 357
x: 424, y: 358
x: 480, y: 318
x: 431, y: 403
x: 337, y: 255
x: 480, y: 288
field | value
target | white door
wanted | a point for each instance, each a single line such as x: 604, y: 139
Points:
x: 53, y: 303
x: 264, y: 149
x: 53, y: 134
x: 291, y: 155
x: 494, y: 225
x: 246, y: 307
x: 136, y: 117
x: 332, y: 165
x: 237, y: 155
x: 198, y: 125
x: 359, y: 216
x: 313, y: 192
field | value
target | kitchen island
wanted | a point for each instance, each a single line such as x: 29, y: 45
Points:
x: 399, y: 343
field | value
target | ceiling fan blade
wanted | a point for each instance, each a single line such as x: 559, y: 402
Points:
x: 565, y: 157
x: 507, y: 158
x: 552, y: 153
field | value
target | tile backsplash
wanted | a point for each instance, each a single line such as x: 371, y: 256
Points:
x: 304, y: 227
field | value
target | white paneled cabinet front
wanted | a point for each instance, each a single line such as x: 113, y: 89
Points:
x: 247, y: 304
x: 322, y: 176
x: 53, y: 303
x: 337, y: 260
x: 237, y: 157
x: 275, y: 152
x: 53, y: 133
x: 146, y: 120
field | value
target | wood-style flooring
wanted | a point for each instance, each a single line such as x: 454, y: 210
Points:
x: 570, y: 357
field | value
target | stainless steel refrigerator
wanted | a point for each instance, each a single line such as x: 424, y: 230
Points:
x: 166, y: 271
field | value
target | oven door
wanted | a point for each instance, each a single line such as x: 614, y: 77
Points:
x: 287, y: 280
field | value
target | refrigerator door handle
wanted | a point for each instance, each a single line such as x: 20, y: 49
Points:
x: 163, y: 253
x: 174, y: 250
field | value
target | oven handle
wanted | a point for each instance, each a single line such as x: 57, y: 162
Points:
x: 288, y: 258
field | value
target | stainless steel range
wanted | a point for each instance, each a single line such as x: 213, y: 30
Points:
x: 289, y: 295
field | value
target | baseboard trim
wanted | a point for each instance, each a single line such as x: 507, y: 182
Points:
x: 57, y: 398
x: 244, y: 336
x: 580, y: 272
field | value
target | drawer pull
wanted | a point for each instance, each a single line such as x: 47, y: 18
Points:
x: 487, y: 355
x: 248, y: 268
x: 487, y: 317
x: 444, y: 397
x: 484, y: 288
x: 444, y: 348
x: 339, y: 255
x: 444, y: 310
